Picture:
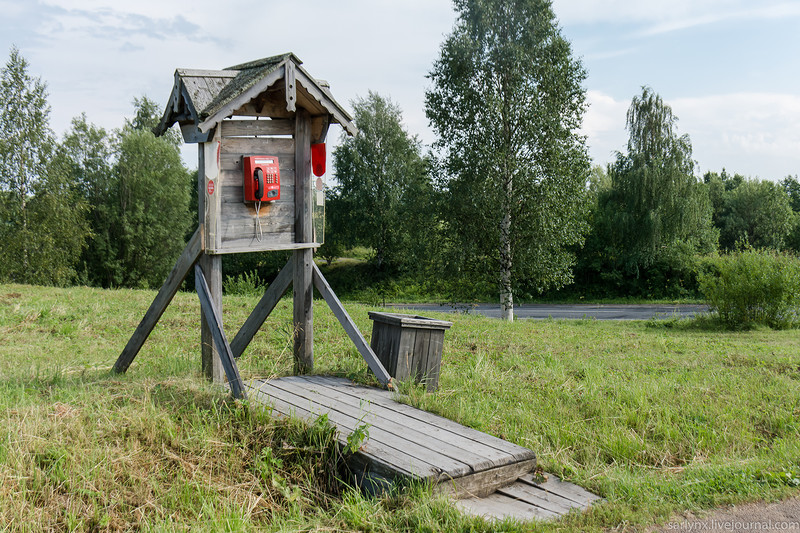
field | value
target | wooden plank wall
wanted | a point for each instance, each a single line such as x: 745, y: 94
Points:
x: 237, y: 222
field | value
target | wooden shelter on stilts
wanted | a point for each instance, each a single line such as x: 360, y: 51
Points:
x: 262, y: 116
x: 257, y: 125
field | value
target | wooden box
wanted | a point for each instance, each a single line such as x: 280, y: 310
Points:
x: 409, y: 346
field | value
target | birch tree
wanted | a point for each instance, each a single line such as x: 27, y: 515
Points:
x: 506, y: 103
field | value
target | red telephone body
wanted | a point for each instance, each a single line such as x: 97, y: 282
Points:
x: 262, y: 178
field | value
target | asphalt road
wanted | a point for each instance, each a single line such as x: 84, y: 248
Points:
x: 567, y: 311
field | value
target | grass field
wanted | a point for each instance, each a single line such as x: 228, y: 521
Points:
x: 656, y: 417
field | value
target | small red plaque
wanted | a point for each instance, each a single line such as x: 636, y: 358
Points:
x: 210, y: 187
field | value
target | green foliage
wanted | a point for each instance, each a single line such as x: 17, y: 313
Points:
x: 753, y: 287
x: 90, y: 157
x: 153, y: 208
x: 758, y: 213
x: 791, y: 185
x: 380, y: 201
x: 245, y: 284
x: 655, y: 203
x: 506, y: 103
x: 42, y: 217
x: 653, y: 217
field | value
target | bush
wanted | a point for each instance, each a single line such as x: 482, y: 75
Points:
x: 753, y: 287
x: 246, y: 284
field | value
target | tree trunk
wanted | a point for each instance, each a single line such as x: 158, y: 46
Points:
x: 506, y: 296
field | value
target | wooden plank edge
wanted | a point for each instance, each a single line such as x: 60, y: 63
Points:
x: 482, y: 484
x: 564, y: 489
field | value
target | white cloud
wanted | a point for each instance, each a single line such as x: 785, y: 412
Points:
x: 676, y: 14
x: 604, y: 126
x: 751, y: 133
x: 754, y: 134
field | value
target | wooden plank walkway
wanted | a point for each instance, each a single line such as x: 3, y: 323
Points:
x: 529, y: 498
x: 489, y: 476
x: 404, y: 442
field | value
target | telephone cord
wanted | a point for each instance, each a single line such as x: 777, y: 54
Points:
x: 259, y: 232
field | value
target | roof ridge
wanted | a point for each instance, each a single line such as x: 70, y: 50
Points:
x: 266, y: 61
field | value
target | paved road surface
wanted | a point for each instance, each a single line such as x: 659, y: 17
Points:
x: 600, y: 312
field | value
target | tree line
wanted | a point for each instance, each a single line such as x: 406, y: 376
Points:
x: 505, y: 204
x: 109, y: 209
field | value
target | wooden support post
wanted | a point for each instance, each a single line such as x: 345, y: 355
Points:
x: 272, y: 295
x: 350, y: 328
x: 179, y: 272
x: 304, y: 258
x: 213, y: 316
x: 211, y: 362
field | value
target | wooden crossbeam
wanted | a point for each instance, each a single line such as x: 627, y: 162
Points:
x: 173, y: 282
x: 272, y: 296
x: 350, y: 327
x: 214, y: 320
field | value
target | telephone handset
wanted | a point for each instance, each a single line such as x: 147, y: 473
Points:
x: 259, y: 183
x: 262, y: 178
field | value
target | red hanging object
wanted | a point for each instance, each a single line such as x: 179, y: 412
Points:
x: 318, y: 158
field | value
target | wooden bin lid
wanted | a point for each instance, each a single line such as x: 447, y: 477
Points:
x: 409, y: 321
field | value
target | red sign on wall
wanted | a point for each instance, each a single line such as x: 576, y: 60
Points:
x: 210, y: 187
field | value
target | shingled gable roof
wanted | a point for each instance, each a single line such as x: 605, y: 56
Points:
x: 206, y: 97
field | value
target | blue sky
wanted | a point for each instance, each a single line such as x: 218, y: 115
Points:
x: 728, y: 68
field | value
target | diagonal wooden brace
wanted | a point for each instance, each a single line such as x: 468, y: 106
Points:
x: 214, y: 320
x: 185, y: 262
x: 271, y: 297
x: 350, y: 328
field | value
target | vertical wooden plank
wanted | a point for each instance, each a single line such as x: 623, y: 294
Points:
x: 393, y: 346
x: 421, y: 352
x: 291, y: 88
x: 211, y: 362
x: 405, y: 353
x: 303, y: 259
x: 433, y: 364
x: 211, y: 192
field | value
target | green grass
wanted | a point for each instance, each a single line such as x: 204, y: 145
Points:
x: 656, y: 417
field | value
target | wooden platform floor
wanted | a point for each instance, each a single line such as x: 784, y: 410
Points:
x: 489, y: 476
x: 403, y: 441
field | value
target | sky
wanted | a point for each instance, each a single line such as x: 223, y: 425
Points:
x: 728, y: 68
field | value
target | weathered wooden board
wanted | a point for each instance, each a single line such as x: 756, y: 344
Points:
x: 403, y: 441
x: 250, y: 128
x: 213, y: 317
x: 302, y: 284
x: 238, y: 226
x: 530, y: 498
x: 497, y: 506
x: 409, y: 346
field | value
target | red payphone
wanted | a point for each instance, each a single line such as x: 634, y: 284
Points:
x: 262, y: 178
